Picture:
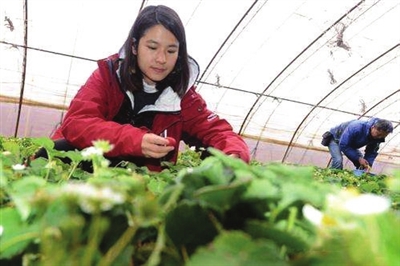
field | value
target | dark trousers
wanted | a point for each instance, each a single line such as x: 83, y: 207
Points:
x: 64, y: 145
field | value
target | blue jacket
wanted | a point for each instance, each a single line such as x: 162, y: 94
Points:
x: 355, y: 134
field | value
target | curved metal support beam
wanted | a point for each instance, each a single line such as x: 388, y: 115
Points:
x: 333, y: 90
x: 23, y: 73
x: 226, y: 40
x: 291, y: 62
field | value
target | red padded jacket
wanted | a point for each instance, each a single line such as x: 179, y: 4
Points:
x: 91, y: 112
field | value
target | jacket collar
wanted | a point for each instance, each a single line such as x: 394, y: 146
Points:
x: 168, y: 101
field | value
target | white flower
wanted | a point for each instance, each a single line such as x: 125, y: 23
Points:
x: 109, y: 198
x: 1, y: 230
x: 18, y: 167
x: 312, y: 214
x: 87, y: 206
x: 359, y: 204
x: 189, y: 170
x: 89, y: 152
x: 105, y: 163
x: 91, y: 198
x: 367, y: 204
x: 342, y: 208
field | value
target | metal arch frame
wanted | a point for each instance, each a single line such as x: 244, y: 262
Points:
x: 23, y: 73
x: 226, y: 40
x: 260, y: 95
x: 333, y: 90
x: 143, y: 3
x: 292, y: 61
x: 397, y: 123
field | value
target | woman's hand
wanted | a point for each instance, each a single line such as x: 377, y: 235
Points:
x: 154, y: 146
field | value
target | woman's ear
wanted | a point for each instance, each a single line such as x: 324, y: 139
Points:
x: 134, y: 51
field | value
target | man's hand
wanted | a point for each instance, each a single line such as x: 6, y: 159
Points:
x: 364, y: 165
x: 154, y: 146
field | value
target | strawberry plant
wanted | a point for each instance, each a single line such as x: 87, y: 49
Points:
x: 215, y: 211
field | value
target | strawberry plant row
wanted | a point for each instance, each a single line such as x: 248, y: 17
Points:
x: 216, y: 211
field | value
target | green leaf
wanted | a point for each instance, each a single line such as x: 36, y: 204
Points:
x: 75, y: 156
x: 305, y: 193
x: 297, y: 240
x: 170, y: 193
x: 215, y: 172
x: 189, y: 225
x: 16, y: 235
x: 22, y: 192
x: 369, y: 186
x: 12, y: 147
x: 393, y: 183
x: 44, y: 142
x: 261, y: 171
x: 221, y: 197
x: 234, y: 163
x: 261, y: 189
x: 156, y: 186
x: 236, y: 249
x: 367, y: 240
x: 192, y: 180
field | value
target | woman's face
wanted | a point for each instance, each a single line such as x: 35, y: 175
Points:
x: 157, y: 53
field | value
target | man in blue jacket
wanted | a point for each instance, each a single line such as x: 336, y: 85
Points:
x: 349, y: 136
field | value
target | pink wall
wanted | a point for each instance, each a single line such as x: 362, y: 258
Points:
x: 41, y: 122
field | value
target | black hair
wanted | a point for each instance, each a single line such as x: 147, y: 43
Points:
x: 384, y: 125
x: 131, y: 75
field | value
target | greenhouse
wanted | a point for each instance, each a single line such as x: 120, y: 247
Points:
x: 281, y: 72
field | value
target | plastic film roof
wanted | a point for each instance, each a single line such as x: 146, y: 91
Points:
x: 281, y: 72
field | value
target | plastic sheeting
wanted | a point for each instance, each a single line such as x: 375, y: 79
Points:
x: 281, y: 72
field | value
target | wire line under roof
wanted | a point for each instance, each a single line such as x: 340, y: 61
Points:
x: 242, y: 127
x: 265, y: 69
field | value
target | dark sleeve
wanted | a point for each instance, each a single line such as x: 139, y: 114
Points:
x: 209, y: 128
x: 371, y: 152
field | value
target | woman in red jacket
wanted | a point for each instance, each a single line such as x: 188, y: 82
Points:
x: 143, y: 94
